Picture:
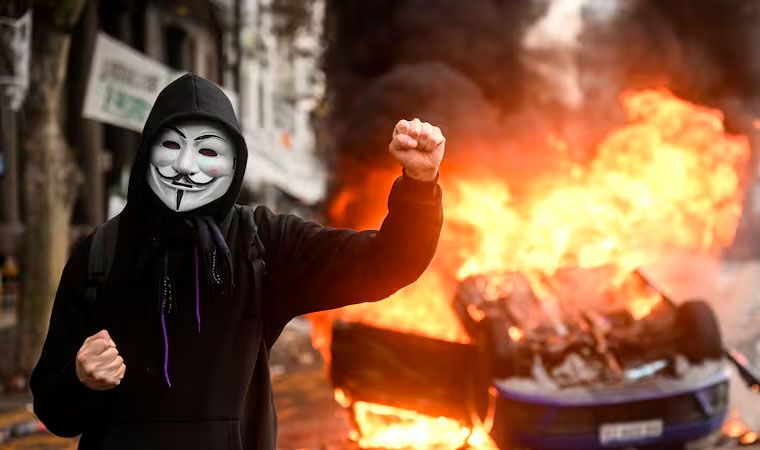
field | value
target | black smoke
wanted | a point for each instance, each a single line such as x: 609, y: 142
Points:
x: 708, y: 46
x: 462, y: 65
x: 447, y: 62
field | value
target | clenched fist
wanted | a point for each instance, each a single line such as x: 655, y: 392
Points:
x: 99, y: 366
x: 419, y: 147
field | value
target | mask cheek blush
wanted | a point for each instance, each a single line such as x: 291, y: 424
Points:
x: 218, y: 168
x: 161, y: 158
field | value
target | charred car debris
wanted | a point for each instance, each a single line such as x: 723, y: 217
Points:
x: 582, y: 360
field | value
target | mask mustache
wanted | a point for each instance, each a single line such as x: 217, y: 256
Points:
x: 183, y: 179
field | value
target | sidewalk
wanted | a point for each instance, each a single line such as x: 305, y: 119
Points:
x: 20, y: 429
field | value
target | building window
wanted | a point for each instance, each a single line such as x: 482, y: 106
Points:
x: 178, y: 48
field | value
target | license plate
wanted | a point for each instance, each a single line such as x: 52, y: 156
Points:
x: 613, y: 433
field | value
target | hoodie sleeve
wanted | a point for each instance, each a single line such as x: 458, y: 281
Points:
x: 61, y: 401
x: 313, y: 268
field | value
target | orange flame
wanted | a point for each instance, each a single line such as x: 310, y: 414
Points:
x: 669, y: 180
x: 394, y: 428
x: 515, y: 333
x: 749, y: 438
x: 735, y: 428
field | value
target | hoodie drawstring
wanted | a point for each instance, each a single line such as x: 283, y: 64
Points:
x: 209, y: 237
x: 197, y: 290
x: 166, y: 350
x: 166, y: 305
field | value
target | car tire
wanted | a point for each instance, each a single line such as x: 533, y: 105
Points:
x: 698, y: 335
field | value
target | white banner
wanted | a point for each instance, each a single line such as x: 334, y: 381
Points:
x: 124, y: 83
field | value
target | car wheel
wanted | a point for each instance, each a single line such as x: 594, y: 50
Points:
x: 697, y: 330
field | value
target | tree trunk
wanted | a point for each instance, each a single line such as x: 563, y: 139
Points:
x: 51, y: 178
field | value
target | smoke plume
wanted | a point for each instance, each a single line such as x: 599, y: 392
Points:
x: 495, y: 73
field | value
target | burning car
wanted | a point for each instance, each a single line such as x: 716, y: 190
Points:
x: 574, y: 368
x: 549, y: 373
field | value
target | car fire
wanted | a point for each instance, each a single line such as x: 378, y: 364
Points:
x: 537, y: 325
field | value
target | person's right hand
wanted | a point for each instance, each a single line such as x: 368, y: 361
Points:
x: 98, y: 364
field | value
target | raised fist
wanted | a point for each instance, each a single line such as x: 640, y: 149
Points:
x: 98, y: 364
x: 419, y: 147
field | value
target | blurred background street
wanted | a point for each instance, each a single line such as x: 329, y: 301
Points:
x: 598, y: 274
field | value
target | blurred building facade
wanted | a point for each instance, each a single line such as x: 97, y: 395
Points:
x: 282, y: 88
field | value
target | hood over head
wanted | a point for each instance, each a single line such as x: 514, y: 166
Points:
x: 189, y: 97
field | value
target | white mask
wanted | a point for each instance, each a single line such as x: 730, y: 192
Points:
x: 191, y: 164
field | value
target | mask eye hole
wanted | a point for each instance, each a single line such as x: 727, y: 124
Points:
x: 170, y: 144
x: 207, y: 152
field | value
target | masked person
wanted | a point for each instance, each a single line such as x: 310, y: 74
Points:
x: 173, y: 348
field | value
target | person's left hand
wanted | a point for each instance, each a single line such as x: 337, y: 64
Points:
x: 419, y: 147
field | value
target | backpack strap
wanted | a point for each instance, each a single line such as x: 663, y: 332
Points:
x: 256, y: 253
x: 102, y: 249
x: 258, y: 425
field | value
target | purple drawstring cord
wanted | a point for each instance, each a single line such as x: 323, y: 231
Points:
x: 197, y: 291
x: 166, y: 349
x: 165, y: 297
x: 163, y: 312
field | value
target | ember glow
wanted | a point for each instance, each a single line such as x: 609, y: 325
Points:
x: 515, y: 333
x: 737, y: 429
x: 670, y: 179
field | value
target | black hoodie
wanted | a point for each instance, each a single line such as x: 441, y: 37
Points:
x: 220, y: 395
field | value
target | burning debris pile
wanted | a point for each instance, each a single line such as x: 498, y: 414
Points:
x: 577, y: 332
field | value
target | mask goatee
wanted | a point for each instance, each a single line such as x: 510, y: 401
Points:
x: 180, y: 193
